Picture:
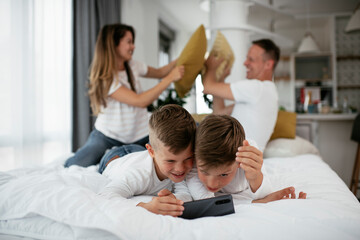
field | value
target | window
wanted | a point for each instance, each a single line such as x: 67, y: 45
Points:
x: 166, y: 37
x: 36, y: 81
x: 201, y: 105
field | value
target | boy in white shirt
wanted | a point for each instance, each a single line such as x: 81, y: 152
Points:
x: 160, y: 168
x: 218, y: 171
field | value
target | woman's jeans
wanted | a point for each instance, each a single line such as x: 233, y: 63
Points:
x: 118, y: 152
x: 95, y: 147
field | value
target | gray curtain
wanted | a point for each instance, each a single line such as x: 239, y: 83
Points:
x: 89, y: 16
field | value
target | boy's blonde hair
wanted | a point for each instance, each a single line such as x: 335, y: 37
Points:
x: 173, y: 126
x: 217, y: 140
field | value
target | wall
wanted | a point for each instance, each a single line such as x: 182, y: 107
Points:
x: 142, y: 15
x: 336, y: 148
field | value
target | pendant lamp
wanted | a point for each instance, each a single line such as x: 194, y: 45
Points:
x: 308, y: 43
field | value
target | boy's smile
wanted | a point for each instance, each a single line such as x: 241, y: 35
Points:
x: 214, y: 179
x: 169, y: 165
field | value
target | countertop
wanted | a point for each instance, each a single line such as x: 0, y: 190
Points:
x: 326, y: 117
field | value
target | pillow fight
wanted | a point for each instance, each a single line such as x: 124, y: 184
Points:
x: 167, y: 154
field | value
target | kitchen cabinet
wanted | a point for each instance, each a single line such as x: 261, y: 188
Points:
x: 312, y: 75
x: 333, y: 77
x: 330, y: 133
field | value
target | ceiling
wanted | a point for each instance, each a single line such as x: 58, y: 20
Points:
x: 189, y: 13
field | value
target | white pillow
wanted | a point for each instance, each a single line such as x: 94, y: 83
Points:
x: 285, y: 147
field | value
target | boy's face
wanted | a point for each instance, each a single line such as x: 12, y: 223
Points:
x: 215, y: 179
x: 169, y: 165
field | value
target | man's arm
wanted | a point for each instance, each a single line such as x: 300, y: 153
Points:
x: 220, y: 90
x: 211, y: 86
x: 220, y: 108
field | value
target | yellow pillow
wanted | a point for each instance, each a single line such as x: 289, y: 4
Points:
x: 221, y: 48
x: 285, y: 126
x: 192, y: 57
x: 199, y: 117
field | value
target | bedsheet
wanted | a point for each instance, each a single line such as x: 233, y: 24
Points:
x: 57, y: 203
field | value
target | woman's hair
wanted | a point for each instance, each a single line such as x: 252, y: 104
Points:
x: 103, y: 66
x: 217, y: 140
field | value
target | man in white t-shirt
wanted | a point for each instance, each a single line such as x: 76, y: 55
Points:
x: 256, y: 99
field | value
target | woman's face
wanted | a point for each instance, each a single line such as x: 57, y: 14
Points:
x: 126, y: 47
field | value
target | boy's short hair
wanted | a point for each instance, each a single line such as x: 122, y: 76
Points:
x: 174, y: 126
x: 217, y: 140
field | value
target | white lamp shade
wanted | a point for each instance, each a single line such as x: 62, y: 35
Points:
x: 308, y: 44
x: 354, y: 22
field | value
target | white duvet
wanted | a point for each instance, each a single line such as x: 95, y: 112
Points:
x: 58, y: 203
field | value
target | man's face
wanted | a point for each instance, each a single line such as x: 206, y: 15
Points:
x: 214, y: 179
x: 169, y: 165
x: 255, y: 63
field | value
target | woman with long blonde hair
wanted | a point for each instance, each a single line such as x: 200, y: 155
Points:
x: 116, y: 96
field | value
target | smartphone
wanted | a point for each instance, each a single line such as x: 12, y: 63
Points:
x: 216, y: 206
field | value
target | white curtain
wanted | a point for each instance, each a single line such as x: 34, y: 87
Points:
x: 35, y: 81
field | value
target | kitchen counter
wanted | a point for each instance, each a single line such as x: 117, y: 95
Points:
x: 326, y: 117
x: 330, y: 133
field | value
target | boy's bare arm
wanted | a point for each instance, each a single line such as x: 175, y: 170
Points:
x: 251, y: 160
x: 164, y: 204
x: 286, y: 193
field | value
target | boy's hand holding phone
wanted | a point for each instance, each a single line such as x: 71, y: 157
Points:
x: 251, y: 160
x: 165, y: 204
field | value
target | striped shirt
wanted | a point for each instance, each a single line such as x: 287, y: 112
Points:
x: 121, y: 121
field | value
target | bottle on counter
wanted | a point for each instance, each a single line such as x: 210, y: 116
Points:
x: 335, y: 108
x: 307, y: 101
x: 345, y: 106
x: 325, y: 108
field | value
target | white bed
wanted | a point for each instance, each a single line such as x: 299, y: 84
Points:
x: 56, y: 203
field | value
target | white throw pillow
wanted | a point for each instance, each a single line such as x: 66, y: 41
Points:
x: 285, y: 147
